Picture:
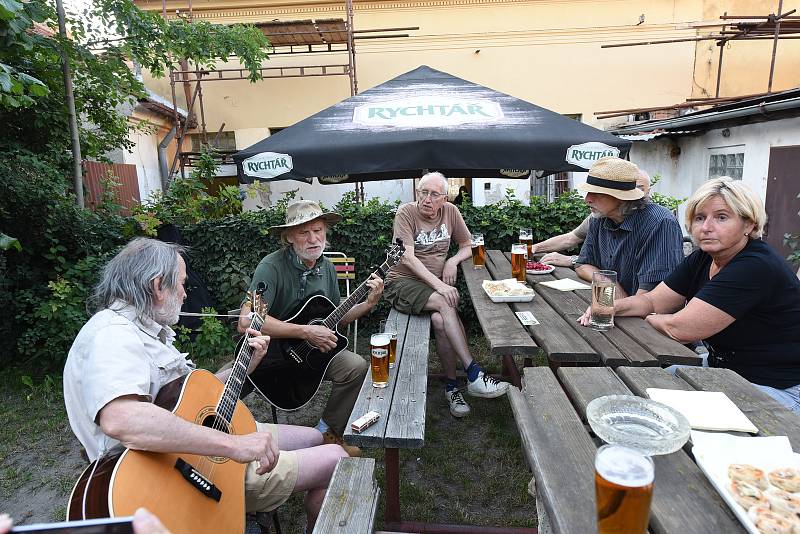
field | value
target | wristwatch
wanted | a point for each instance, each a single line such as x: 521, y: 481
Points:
x: 573, y: 260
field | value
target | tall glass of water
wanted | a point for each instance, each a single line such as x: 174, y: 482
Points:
x: 604, y: 284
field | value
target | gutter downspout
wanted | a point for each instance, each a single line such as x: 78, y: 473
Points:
x: 163, y: 167
x: 756, y: 109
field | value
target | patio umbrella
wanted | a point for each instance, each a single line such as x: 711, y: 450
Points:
x: 427, y: 120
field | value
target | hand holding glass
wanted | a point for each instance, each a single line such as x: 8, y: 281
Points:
x: 604, y: 284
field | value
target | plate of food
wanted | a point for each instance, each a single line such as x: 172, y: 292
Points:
x: 536, y: 267
x: 759, y: 479
x: 507, y: 291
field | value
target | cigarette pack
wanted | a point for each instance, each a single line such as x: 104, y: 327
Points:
x: 365, y: 421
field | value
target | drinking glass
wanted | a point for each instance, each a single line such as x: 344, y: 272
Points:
x: 379, y: 359
x: 604, y: 284
x: 518, y: 261
x: 526, y: 238
x: 389, y: 327
x: 623, y: 482
x: 478, y: 251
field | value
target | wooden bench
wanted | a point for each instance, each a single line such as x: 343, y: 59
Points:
x: 401, y: 404
x: 351, y: 500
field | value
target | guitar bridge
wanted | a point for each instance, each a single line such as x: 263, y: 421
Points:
x: 200, y: 482
x: 295, y: 357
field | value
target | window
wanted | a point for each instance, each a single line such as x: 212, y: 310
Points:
x: 223, y: 141
x: 549, y: 187
x: 726, y: 162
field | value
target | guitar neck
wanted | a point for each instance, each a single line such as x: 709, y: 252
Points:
x: 355, y: 297
x: 233, y: 386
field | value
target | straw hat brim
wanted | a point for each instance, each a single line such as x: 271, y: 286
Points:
x: 328, y: 217
x: 630, y: 194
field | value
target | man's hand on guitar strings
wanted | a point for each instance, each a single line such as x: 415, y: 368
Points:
x: 259, y: 343
x: 257, y: 447
x: 321, y: 337
x: 375, y: 284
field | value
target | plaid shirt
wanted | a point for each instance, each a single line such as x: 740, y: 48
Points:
x: 643, y: 250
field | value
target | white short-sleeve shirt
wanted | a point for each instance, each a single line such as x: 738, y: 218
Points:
x: 115, y: 354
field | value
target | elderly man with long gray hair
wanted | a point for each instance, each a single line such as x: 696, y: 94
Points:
x: 628, y: 233
x: 124, y: 355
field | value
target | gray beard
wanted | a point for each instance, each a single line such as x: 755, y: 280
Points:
x: 305, y: 258
x: 168, y: 315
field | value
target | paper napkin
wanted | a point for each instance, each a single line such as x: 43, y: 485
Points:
x: 705, y: 410
x: 565, y: 284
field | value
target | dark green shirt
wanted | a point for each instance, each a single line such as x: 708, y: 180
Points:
x: 283, y: 272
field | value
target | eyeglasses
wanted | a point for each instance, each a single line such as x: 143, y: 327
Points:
x: 424, y: 193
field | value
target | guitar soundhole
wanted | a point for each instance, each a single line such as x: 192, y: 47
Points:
x: 217, y: 423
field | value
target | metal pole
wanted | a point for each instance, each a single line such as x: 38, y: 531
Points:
x: 719, y: 64
x: 77, y: 159
x: 775, y: 45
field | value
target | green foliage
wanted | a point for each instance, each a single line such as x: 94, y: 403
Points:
x: 48, y: 388
x: 671, y: 203
x: 793, y: 242
x: 7, y: 242
x: 18, y: 89
x: 213, y: 339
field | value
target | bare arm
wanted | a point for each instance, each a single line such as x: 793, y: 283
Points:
x: 585, y: 271
x: 661, y: 299
x: 558, y: 243
x: 698, y: 320
x: 375, y: 284
x: 147, y: 427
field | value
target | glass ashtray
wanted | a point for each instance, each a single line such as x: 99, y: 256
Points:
x: 648, y: 426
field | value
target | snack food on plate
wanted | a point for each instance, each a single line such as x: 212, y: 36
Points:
x: 786, y: 478
x: 746, y: 494
x: 783, y: 502
x: 537, y: 266
x: 506, y: 288
x: 748, y: 473
x: 768, y: 522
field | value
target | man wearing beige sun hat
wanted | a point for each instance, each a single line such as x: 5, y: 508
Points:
x: 628, y: 233
x: 293, y: 274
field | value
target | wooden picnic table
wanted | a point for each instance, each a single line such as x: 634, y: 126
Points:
x: 551, y: 415
x: 632, y: 342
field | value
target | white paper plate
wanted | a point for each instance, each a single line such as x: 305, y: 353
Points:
x: 510, y: 283
x: 519, y: 298
x: 716, y: 451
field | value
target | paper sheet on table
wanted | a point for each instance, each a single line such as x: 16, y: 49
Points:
x: 715, y: 451
x: 565, y: 284
x: 705, y: 410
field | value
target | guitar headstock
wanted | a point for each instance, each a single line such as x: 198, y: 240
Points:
x: 395, y: 253
x: 256, y: 301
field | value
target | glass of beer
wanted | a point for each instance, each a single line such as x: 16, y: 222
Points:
x: 526, y: 238
x: 379, y: 359
x: 623, y: 482
x: 519, y: 254
x: 390, y: 328
x: 604, y: 284
x: 478, y: 251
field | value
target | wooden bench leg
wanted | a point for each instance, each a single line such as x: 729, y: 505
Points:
x: 510, y: 370
x: 392, y: 464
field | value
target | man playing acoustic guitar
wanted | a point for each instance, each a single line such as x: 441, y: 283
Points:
x: 124, y: 355
x: 292, y: 275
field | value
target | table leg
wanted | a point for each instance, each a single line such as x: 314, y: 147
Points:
x: 392, y: 464
x: 510, y: 370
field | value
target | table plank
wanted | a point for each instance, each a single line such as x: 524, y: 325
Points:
x: 502, y: 329
x: 377, y: 399
x: 770, y: 417
x: 553, y: 333
x: 351, y: 500
x: 666, y: 350
x: 638, y: 379
x: 406, y: 423
x: 683, y: 500
x: 561, y: 454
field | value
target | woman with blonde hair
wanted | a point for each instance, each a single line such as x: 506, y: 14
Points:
x: 735, y: 293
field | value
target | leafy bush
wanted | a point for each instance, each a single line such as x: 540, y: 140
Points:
x: 214, y: 341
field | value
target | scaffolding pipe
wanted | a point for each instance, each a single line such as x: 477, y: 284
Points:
x: 775, y: 45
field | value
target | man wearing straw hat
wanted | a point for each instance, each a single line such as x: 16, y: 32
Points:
x: 293, y: 274
x: 629, y: 234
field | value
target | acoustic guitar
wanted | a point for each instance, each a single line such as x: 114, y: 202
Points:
x: 291, y: 373
x: 189, y: 493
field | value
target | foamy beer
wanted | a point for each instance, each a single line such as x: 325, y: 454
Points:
x: 478, y: 251
x: 379, y: 359
x: 390, y: 328
x: 526, y: 238
x: 519, y: 254
x: 623, y: 481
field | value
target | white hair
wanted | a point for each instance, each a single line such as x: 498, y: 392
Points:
x: 437, y: 175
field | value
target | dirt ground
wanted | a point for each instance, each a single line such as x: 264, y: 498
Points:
x: 470, y: 471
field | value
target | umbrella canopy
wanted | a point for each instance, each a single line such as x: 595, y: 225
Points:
x: 427, y: 120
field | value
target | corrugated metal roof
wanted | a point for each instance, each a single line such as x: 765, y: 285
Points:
x: 653, y: 135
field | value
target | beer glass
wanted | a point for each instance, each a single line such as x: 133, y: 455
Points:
x: 623, y: 482
x: 379, y: 359
x: 604, y: 284
x: 390, y: 328
x: 478, y: 251
x: 526, y: 238
x: 518, y: 261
